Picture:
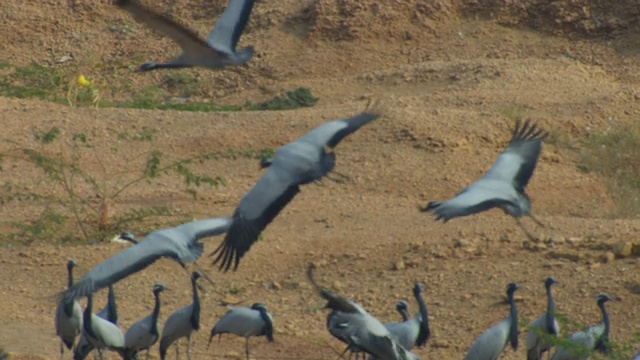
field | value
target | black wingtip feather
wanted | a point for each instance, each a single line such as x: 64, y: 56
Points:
x: 528, y: 132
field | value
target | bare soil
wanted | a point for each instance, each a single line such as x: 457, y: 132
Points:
x: 447, y: 74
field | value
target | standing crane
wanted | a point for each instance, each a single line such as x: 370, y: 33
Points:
x: 543, y: 327
x: 583, y: 343
x: 246, y: 322
x: 68, y: 316
x: 492, y: 342
x: 145, y: 332
x: 182, y: 322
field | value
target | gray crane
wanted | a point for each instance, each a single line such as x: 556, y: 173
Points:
x: 413, y: 332
x: 68, y: 316
x: 3, y: 356
x: 503, y: 185
x: 217, y: 52
x: 178, y: 243
x: 246, y: 322
x: 297, y: 163
x: 351, y: 324
x: 492, y: 342
x: 182, y: 322
x: 101, y: 333
x: 402, y: 307
x: 109, y: 313
x: 145, y: 332
x: 542, y: 328
x: 583, y: 343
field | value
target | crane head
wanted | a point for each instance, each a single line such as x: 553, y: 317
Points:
x: 71, y: 263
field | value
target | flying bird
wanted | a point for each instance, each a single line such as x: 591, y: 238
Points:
x: 542, y: 328
x: 68, y: 316
x: 246, y: 322
x: 504, y: 184
x: 492, y: 342
x: 595, y: 338
x: 178, y: 243
x: 217, y: 52
x: 351, y: 324
x: 297, y: 163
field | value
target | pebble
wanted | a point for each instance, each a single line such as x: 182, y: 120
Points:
x: 623, y: 249
x: 608, y: 257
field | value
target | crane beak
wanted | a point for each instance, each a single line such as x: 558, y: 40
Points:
x: 204, y: 274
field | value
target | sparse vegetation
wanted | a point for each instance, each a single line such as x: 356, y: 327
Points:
x: 78, y: 203
x: 513, y: 111
x: 612, y: 154
x: 300, y: 97
x: 53, y: 84
x: 33, y: 81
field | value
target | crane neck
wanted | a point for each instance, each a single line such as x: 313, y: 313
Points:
x: 425, y: 332
x: 605, y: 321
x: 550, y: 316
x: 404, y: 314
x: 112, y: 310
x: 70, y: 276
x: 513, y: 325
x: 195, y: 314
x: 86, y: 317
x: 155, y: 314
x: 268, y: 324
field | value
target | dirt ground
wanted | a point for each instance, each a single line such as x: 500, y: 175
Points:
x: 449, y: 76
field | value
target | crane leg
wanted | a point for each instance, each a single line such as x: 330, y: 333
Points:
x: 61, y: 350
x: 148, y: 353
x: 189, y: 347
x: 246, y: 347
x: 524, y: 230
x: 177, y: 351
x: 536, y: 221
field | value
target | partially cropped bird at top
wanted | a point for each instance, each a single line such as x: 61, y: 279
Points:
x: 217, y: 52
x: 504, y: 184
x: 297, y: 163
x: 144, y: 333
x: 180, y: 243
x: 542, y: 328
x: 492, y: 342
x: 351, y: 324
x: 68, y: 316
x: 182, y: 322
x: 246, y: 322
x: 595, y: 338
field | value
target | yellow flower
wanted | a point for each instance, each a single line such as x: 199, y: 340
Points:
x: 82, y: 81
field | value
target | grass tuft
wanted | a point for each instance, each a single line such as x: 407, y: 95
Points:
x: 613, y: 155
x: 300, y: 97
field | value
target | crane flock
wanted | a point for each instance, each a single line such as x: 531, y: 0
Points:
x: 300, y: 162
